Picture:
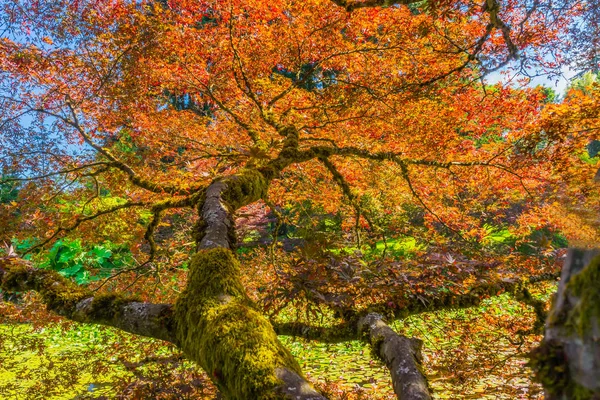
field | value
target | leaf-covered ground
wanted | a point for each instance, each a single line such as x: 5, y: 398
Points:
x: 474, y: 353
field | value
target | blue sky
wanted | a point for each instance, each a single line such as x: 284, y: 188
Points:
x: 558, y: 83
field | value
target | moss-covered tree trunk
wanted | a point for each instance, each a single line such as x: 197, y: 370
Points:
x: 218, y: 326
x: 567, y: 362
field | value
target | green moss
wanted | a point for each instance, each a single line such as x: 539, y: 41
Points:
x: 58, y: 293
x: 245, y: 187
x: 585, y: 286
x: 549, y: 366
x: 105, y: 306
x: 15, y: 275
x: 376, y: 343
x: 549, y: 360
x: 215, y: 272
x: 219, y: 328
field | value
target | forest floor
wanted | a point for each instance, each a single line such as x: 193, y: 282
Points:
x: 470, y: 353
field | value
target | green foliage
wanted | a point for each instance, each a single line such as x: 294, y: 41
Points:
x: 419, y: 7
x: 72, y: 259
x: 81, y: 361
x: 400, y: 247
x: 542, y: 239
x: 550, y: 93
x: 585, y: 82
x: 497, y: 237
x: 501, y: 239
x: 20, y: 246
x: 124, y: 142
x: 251, y: 236
x: 405, y: 247
x: 307, y: 221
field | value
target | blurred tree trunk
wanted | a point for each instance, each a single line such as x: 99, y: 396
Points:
x: 567, y: 362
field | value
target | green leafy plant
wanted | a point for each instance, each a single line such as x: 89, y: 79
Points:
x: 73, y: 259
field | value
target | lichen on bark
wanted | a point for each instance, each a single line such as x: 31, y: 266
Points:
x: 567, y: 361
x: 549, y: 363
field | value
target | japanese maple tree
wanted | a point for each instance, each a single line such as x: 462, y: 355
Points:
x: 211, y: 106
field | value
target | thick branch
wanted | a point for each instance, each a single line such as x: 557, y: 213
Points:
x: 79, y: 304
x: 567, y: 362
x: 411, y: 303
x: 539, y: 307
x: 417, y: 303
x: 492, y: 7
x: 401, y: 355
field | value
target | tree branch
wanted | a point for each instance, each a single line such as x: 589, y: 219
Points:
x: 61, y: 172
x: 339, y: 178
x: 411, y: 303
x: 218, y: 325
x: 79, y: 304
x: 401, y: 355
x: 115, y: 161
x: 492, y: 7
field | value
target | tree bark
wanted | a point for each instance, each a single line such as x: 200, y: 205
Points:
x: 567, y: 362
x: 412, y: 305
x: 401, y: 355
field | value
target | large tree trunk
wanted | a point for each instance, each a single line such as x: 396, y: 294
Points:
x: 567, y: 362
x: 218, y: 326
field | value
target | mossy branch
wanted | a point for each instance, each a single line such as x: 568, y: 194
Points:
x: 524, y: 296
x: 77, y: 303
x: 567, y: 362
